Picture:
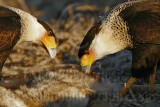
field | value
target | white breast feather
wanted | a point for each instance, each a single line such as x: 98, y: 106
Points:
x: 103, y: 44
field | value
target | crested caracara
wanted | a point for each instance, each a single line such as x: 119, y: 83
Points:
x: 133, y: 25
x: 17, y: 26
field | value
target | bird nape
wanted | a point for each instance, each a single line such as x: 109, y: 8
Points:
x: 133, y: 25
x: 17, y: 26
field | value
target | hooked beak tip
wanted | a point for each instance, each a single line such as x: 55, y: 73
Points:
x: 52, y: 52
x: 86, y: 69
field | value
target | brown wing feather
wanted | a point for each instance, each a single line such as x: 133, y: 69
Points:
x: 143, y: 20
x: 10, y: 31
x: 6, y: 12
x: 145, y: 27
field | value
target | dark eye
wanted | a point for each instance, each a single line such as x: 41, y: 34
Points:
x: 87, y: 52
x: 50, y: 33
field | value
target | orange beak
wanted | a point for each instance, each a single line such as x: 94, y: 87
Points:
x: 50, y: 44
x: 86, y: 61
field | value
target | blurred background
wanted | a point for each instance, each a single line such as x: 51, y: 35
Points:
x: 51, y: 9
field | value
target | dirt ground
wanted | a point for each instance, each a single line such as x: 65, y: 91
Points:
x: 70, y: 26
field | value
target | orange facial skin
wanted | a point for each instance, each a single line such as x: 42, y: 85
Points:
x: 48, y: 41
x: 88, y: 58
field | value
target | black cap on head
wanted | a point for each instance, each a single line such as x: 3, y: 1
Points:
x: 47, y: 27
x: 88, y: 39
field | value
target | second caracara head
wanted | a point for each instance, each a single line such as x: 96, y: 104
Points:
x: 101, y: 40
x: 40, y: 32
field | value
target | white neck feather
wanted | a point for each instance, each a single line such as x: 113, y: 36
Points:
x: 31, y: 30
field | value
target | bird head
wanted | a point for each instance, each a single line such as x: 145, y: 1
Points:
x: 101, y: 40
x: 32, y: 29
x: 86, y: 54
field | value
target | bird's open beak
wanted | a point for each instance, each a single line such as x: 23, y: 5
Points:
x: 49, y: 43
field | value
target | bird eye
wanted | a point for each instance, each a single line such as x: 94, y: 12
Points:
x: 50, y: 33
x: 87, y: 52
